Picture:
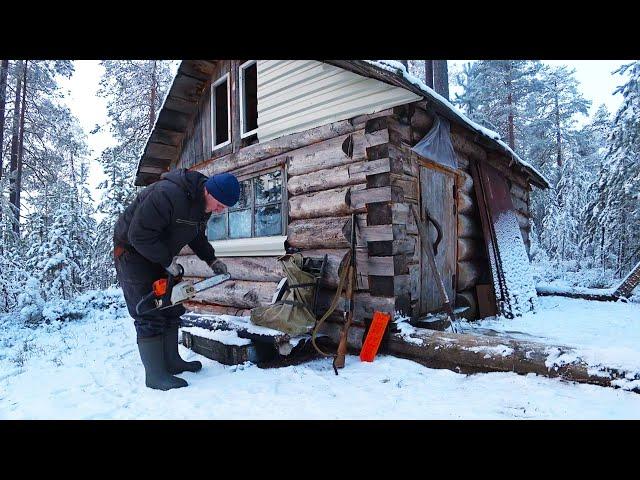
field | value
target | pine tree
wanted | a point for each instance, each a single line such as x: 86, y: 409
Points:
x: 495, y: 92
x: 49, y: 255
x: 555, y: 150
x: 615, y: 210
x: 134, y: 91
x: 4, y: 71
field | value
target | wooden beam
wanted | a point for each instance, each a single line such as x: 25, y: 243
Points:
x: 343, y: 175
x: 328, y: 203
x: 239, y: 293
x: 468, y: 227
x: 200, y: 69
x: 465, y: 203
x: 344, y: 149
x: 161, y: 151
x: 328, y: 232
x: 260, y: 269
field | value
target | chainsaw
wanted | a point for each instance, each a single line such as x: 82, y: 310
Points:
x: 171, y: 291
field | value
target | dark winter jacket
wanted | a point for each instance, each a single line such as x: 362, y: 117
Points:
x: 165, y: 217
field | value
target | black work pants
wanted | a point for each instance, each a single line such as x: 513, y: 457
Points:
x: 136, y: 275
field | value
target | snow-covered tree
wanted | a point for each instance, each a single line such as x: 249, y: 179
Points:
x: 495, y: 93
x: 614, y: 211
x: 134, y: 90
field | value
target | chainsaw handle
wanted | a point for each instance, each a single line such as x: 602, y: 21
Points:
x: 171, y: 282
x: 165, y: 299
x: 143, y: 300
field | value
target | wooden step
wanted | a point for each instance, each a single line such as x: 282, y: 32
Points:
x: 629, y: 283
x: 225, y: 353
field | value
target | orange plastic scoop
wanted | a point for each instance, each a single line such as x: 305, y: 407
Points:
x: 374, y: 337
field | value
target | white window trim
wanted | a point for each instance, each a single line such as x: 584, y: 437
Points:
x: 250, y: 247
x: 242, y: 69
x: 224, y: 78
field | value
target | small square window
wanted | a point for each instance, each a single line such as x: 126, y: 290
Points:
x: 258, y: 212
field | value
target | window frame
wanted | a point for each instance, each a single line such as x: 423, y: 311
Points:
x: 224, y: 78
x: 283, y: 206
x: 241, y: 70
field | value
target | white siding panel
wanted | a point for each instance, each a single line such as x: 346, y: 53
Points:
x: 296, y: 95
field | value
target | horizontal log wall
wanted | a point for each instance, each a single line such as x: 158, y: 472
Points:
x: 362, y: 165
x: 327, y: 170
x: 327, y: 182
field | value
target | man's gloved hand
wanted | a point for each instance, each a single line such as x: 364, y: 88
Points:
x: 218, y: 267
x: 175, y: 268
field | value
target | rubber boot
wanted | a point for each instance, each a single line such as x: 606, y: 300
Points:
x: 172, y: 359
x: 152, y: 355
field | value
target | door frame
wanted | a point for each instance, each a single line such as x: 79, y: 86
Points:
x: 457, y: 177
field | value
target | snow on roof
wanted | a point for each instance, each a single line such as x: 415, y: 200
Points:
x: 397, y: 68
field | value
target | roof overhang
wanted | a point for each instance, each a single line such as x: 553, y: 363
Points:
x: 193, y: 77
x: 180, y: 105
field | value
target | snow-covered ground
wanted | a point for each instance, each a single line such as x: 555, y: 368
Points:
x: 90, y: 369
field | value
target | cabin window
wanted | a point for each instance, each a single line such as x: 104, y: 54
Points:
x: 220, y: 112
x: 258, y: 213
x: 248, y: 98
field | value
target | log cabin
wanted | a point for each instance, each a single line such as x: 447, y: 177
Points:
x: 313, y: 142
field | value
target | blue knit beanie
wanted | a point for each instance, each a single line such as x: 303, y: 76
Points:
x: 224, y: 187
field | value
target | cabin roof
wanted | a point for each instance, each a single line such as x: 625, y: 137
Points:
x: 193, y: 76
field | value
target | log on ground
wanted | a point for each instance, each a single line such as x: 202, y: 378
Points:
x: 475, y: 353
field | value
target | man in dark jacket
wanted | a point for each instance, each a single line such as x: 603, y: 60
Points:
x: 161, y: 220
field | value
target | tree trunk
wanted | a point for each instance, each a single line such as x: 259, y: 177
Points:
x: 13, y: 166
x: 441, y: 78
x: 512, y: 135
x: 4, y: 70
x: 558, y: 136
x: 154, y: 92
x: 428, y: 73
x: 602, y: 255
x: 16, y: 227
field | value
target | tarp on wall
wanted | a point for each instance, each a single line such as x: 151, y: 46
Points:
x: 436, y: 144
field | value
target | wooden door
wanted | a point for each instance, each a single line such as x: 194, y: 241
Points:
x: 437, y: 194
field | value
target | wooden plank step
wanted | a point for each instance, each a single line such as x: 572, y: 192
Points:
x: 225, y: 353
x: 241, y: 325
x: 629, y: 283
